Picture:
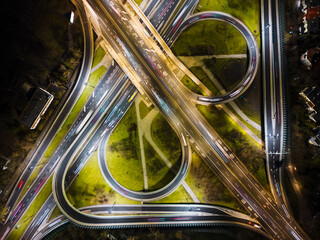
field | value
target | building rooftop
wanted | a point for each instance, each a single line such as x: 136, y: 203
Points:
x: 35, y: 108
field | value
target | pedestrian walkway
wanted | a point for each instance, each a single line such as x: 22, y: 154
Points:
x: 140, y: 133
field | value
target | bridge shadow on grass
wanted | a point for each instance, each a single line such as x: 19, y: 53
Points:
x: 167, y: 178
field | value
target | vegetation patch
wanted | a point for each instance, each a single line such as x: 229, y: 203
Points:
x: 166, y: 139
x: 55, y: 213
x: 203, y: 77
x: 123, y: 153
x: 253, y: 129
x: 207, y: 186
x: 246, y: 11
x: 250, y: 101
x: 210, y: 37
x: 144, y: 110
x: 191, y: 85
x: 159, y: 174
x: 90, y: 187
x: 180, y: 195
x: 250, y: 152
x: 228, y: 71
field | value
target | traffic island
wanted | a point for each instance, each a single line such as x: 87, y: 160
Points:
x: 123, y: 153
x: 90, y: 187
x: 158, y: 161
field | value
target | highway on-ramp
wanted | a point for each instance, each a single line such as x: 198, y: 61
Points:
x: 222, y: 216
x: 147, y: 71
x: 109, y: 118
x: 77, y: 165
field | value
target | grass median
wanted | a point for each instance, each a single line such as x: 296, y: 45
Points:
x: 204, y: 78
x: 99, y: 54
x: 180, y: 195
x: 55, y: 213
x: 33, y: 209
x: 253, y: 129
x: 138, y: 1
x: 191, y: 85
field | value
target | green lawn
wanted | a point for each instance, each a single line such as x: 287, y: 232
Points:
x: 208, y: 38
x: 180, y: 195
x: 228, y: 71
x: 32, y: 211
x: 191, y: 85
x: 98, y: 56
x: 250, y: 102
x: 90, y: 187
x: 207, y: 186
x: 248, y: 151
x: 247, y: 11
x: 166, y: 139
x: 123, y: 153
x: 254, y: 130
x: 203, y: 77
x: 159, y: 174
x: 144, y: 110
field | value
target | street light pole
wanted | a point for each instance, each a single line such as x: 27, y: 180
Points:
x: 110, y: 210
x: 24, y: 221
x: 262, y: 30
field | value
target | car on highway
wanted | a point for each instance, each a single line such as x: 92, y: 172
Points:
x: 20, y: 184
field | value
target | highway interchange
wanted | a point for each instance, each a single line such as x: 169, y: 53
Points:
x: 146, y: 70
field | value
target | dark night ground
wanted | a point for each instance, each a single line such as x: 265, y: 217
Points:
x: 34, y: 49
x: 304, y: 156
x: 218, y: 233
